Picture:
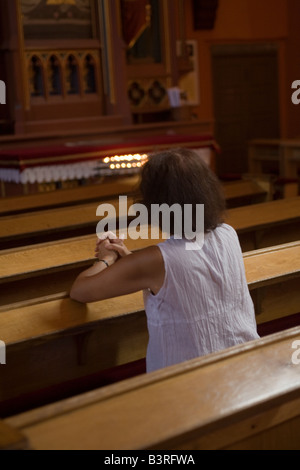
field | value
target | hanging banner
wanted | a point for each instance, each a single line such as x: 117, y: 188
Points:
x: 136, y: 17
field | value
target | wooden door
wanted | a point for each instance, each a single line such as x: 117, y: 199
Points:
x: 246, y: 101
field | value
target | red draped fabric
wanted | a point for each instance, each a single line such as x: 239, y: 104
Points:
x: 63, y: 154
x: 135, y: 19
x: 56, y: 163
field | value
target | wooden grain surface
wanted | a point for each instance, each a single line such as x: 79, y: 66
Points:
x: 11, y: 439
x: 247, y: 218
x: 44, y: 316
x: 242, y: 188
x: 63, y: 340
x: 57, y: 316
x: 208, y: 403
x: 65, y: 218
x: 108, y: 188
x: 261, y: 265
x: 243, y: 219
x: 284, y: 151
x: 277, y: 263
x: 19, y: 262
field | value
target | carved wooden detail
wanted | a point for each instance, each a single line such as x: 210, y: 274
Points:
x: 62, y: 73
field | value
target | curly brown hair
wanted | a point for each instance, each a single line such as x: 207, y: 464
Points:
x: 179, y: 176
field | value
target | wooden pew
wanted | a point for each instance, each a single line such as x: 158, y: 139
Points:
x: 273, y: 276
x: 236, y: 193
x: 284, y: 152
x: 258, y: 225
x: 244, y: 398
x: 246, y: 191
x: 266, y: 224
x: 282, y: 157
x: 52, y: 224
x: 42, y: 270
x: 35, y: 272
x: 110, y: 187
x: 82, y: 345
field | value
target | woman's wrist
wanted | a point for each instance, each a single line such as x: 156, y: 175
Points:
x: 104, y: 261
x: 96, y: 268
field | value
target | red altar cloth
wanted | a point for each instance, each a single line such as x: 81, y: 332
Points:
x: 62, y: 154
x: 76, y: 161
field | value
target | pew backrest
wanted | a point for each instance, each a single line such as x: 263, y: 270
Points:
x: 281, y: 218
x: 68, y: 197
x: 77, y: 340
x: 245, y: 397
x: 244, y: 190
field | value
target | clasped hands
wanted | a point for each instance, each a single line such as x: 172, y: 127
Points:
x: 110, y: 248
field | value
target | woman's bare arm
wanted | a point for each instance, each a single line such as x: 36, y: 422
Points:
x: 141, y: 270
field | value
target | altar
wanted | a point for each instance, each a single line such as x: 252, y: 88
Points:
x: 54, y: 167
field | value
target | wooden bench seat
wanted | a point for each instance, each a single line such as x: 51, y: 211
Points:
x: 258, y: 225
x: 244, y: 398
x: 78, y: 343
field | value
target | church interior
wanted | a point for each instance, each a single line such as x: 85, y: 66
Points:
x: 89, y: 90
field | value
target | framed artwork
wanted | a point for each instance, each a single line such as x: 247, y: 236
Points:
x: 58, y: 19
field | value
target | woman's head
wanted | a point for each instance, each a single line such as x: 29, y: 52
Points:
x: 179, y: 176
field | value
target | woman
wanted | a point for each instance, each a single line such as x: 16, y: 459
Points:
x: 196, y: 300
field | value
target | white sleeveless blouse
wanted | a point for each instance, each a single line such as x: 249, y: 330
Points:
x: 204, y: 304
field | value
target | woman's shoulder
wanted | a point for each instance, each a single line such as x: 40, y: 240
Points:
x: 227, y: 238
x: 225, y: 230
